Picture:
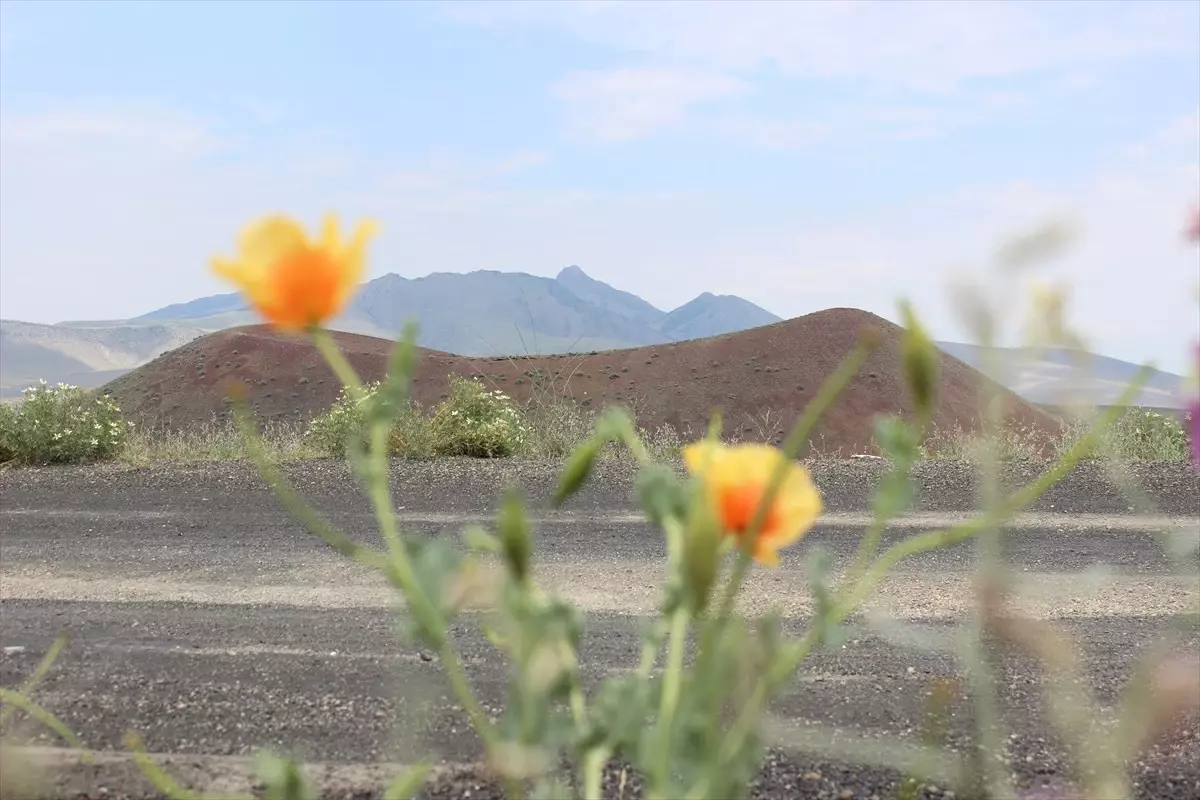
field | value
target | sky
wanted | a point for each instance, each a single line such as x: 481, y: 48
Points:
x: 803, y: 155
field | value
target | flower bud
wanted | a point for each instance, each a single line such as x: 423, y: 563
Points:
x: 701, y: 552
x: 578, y: 468
x: 921, y: 360
x: 515, y: 536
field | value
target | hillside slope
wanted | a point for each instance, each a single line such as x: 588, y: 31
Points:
x: 760, y: 379
x: 84, y: 356
x: 1055, y: 378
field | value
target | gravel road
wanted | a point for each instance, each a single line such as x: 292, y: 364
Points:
x: 203, y: 617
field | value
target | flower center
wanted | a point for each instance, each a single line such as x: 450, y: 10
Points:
x: 738, y: 505
x: 306, y: 282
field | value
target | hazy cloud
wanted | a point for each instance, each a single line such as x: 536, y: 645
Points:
x: 928, y: 46
x: 895, y: 50
x: 624, y: 104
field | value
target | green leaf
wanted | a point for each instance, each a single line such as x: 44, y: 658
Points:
x: 899, y: 441
x: 38, y: 673
x: 622, y: 710
x: 921, y: 361
x: 43, y: 716
x: 820, y: 563
x: 434, y: 561
x: 407, y: 785
x: 551, y: 789
x: 614, y: 424
x: 661, y: 493
x: 516, y: 538
x: 701, y: 553
x: 395, y: 390
x: 478, y: 539
x: 282, y: 777
x: 578, y: 468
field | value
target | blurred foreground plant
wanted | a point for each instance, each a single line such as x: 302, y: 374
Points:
x: 691, y: 730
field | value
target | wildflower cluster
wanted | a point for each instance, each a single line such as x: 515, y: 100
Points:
x: 61, y: 424
x: 473, y: 421
x: 1148, y: 435
x: 347, y: 417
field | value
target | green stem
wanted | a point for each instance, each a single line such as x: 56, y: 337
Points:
x: 155, y: 774
x: 800, y: 434
x: 921, y: 543
x: 337, y: 362
x: 802, y: 430
x: 43, y: 716
x: 38, y: 673
x: 866, y: 549
x: 672, y: 678
x: 422, y: 607
x: 993, y: 580
x: 593, y: 772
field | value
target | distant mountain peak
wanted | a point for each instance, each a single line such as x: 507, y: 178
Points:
x: 709, y: 314
x: 572, y: 271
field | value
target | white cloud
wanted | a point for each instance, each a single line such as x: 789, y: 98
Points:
x: 624, y: 104
x: 519, y: 162
x: 770, y: 134
x: 1181, y: 132
x: 929, y: 46
x: 153, y: 135
x: 886, y: 49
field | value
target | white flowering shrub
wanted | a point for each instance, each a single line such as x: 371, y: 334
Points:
x: 61, y: 424
x: 473, y: 421
x: 1141, y: 434
x: 330, y: 432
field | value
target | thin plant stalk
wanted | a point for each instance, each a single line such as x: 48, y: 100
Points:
x: 853, y: 595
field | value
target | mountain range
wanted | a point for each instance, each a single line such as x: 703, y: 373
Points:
x: 481, y: 313
x: 491, y: 313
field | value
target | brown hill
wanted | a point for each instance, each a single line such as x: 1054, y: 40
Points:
x: 761, y: 379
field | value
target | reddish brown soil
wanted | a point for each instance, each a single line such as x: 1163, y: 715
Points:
x: 761, y: 379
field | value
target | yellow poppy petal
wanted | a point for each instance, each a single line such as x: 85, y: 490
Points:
x: 330, y: 237
x: 701, y: 455
x: 353, y: 257
x: 269, y: 241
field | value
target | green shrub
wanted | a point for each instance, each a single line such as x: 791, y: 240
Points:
x: 474, y: 422
x: 1142, y: 435
x: 330, y: 433
x: 555, y: 426
x: 62, y: 424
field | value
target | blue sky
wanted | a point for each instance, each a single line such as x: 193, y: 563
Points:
x: 800, y: 154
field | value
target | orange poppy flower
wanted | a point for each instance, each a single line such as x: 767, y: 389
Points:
x: 292, y: 281
x: 736, y: 478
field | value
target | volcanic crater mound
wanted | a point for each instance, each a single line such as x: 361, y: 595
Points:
x: 761, y: 379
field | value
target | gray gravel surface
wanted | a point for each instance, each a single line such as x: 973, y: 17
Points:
x: 271, y: 648
x: 473, y: 485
